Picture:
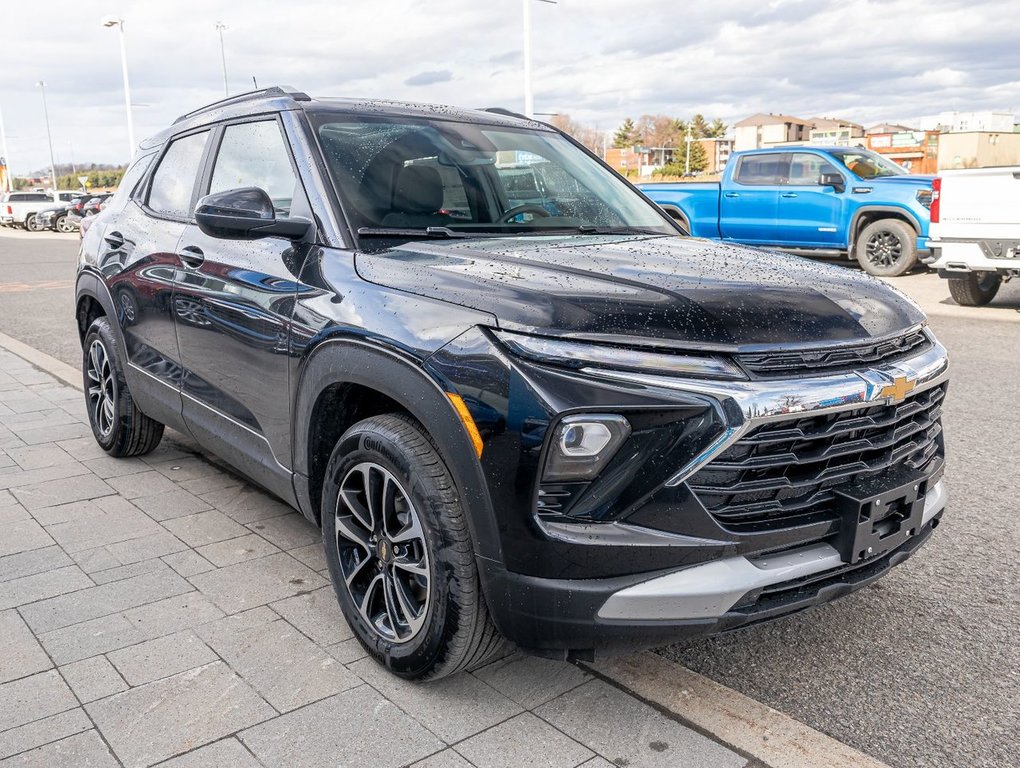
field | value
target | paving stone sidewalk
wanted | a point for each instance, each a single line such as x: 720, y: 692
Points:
x: 162, y: 611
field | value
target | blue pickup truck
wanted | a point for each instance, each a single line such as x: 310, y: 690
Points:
x: 824, y: 201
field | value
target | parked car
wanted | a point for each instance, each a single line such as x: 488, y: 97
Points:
x: 975, y: 231
x: 820, y: 201
x: 19, y: 208
x: 58, y: 217
x: 579, y: 431
x: 94, y: 204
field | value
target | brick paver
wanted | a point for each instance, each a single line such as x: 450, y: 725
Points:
x: 163, y: 611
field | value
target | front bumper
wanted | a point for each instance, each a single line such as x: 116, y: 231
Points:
x: 718, y: 580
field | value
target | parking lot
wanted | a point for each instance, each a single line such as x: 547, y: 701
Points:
x: 920, y: 669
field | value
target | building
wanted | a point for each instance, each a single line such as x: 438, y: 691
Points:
x: 833, y: 132
x: 761, y: 130
x: 966, y: 122
x: 978, y: 149
x: 718, y: 153
x: 630, y: 161
x: 888, y: 128
x: 917, y: 151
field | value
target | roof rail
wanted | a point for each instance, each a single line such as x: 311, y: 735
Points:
x: 262, y: 93
x: 507, y: 113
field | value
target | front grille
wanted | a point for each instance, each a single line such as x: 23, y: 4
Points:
x: 783, y: 473
x: 828, y: 361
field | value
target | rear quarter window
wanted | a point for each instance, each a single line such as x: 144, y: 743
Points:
x: 760, y: 169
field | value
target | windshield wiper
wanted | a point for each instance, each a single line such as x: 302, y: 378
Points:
x: 591, y: 229
x: 440, y: 232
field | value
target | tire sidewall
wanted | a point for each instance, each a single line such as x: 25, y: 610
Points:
x: 100, y: 330
x: 908, y: 253
x: 423, y: 652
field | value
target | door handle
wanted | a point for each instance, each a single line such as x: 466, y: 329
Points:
x: 731, y: 194
x: 789, y: 194
x: 192, y: 256
x: 114, y: 239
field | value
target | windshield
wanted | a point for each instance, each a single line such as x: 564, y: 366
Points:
x: 867, y: 164
x: 410, y: 176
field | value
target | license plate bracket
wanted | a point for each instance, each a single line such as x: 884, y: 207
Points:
x: 871, y: 525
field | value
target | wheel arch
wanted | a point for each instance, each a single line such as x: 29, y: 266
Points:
x: 872, y: 213
x: 677, y: 214
x: 343, y: 381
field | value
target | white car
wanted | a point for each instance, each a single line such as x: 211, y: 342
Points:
x: 975, y: 231
x: 20, y: 208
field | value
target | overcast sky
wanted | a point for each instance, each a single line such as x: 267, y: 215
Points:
x: 596, y: 60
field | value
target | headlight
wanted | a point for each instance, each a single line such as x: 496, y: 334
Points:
x: 573, y: 354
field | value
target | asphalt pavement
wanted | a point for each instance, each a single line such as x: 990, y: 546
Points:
x: 920, y: 669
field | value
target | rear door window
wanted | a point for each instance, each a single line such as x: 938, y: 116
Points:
x: 761, y: 169
x: 173, y: 183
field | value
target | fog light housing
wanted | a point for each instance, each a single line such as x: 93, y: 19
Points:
x: 582, y: 445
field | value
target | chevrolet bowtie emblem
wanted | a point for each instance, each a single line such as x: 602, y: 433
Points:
x: 901, y: 387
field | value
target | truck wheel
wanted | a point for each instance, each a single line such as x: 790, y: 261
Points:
x: 680, y: 220
x: 887, y: 248
x: 975, y: 289
x: 117, y: 424
x: 400, y: 554
x: 32, y: 224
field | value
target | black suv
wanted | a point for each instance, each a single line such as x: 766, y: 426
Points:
x: 559, y: 422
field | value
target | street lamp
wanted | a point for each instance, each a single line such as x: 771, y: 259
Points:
x: 113, y: 21
x: 49, y: 137
x: 220, y: 26
x: 529, y: 96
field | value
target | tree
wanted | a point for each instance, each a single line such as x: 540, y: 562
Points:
x: 658, y: 131
x: 699, y: 127
x: 625, y: 136
x: 717, y: 129
x: 591, y: 137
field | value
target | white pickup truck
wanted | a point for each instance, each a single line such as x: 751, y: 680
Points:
x: 20, y: 208
x: 975, y: 231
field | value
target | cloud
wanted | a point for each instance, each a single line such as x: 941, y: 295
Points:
x: 593, y: 59
x: 430, y: 78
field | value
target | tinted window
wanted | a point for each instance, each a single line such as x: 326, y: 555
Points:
x: 807, y: 169
x: 761, y: 169
x: 132, y: 178
x: 174, y: 179
x: 254, y: 155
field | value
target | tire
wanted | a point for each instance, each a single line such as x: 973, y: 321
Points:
x: 442, y: 626
x: 62, y: 224
x: 975, y: 289
x: 887, y: 248
x: 117, y: 424
x: 32, y: 223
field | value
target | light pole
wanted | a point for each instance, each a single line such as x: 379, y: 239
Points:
x: 529, y: 96
x: 49, y: 137
x: 8, y: 181
x: 113, y: 21
x: 220, y: 26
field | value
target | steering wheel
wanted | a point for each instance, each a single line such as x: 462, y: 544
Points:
x: 517, y: 210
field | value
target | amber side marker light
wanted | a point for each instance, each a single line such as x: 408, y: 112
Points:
x: 469, y: 423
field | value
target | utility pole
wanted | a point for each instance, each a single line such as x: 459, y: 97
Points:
x: 687, y: 167
x: 220, y: 26
x: 49, y: 136
x: 529, y: 96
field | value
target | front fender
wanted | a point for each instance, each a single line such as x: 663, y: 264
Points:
x: 355, y: 361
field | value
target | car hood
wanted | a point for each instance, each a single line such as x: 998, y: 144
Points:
x: 657, y: 291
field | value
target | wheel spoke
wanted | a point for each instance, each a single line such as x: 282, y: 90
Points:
x: 413, y: 615
x: 346, y: 527
x: 393, y: 607
x: 358, y: 569
x: 366, y: 601
x: 410, y: 532
x: 416, y: 568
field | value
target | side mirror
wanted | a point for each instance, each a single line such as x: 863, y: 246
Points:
x: 833, y: 180
x: 245, y: 213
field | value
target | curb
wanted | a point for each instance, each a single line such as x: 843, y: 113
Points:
x: 66, y: 373
x: 736, y: 721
